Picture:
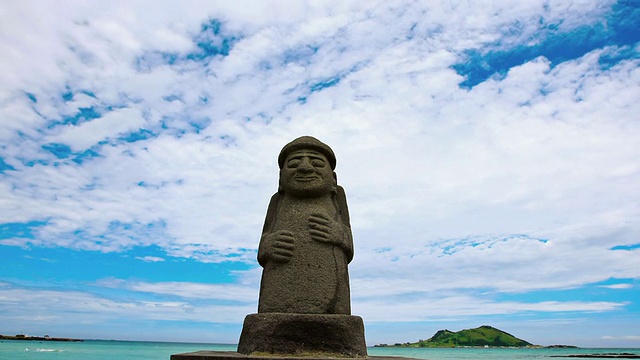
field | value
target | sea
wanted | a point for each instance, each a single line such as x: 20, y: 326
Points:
x: 137, y: 350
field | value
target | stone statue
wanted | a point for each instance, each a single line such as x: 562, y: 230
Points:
x: 305, y: 247
x: 306, y: 241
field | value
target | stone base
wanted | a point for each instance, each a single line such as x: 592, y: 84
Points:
x: 306, y: 335
x: 228, y: 355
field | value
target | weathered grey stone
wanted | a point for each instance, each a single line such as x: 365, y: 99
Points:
x: 277, y: 333
x: 306, y: 245
x: 306, y: 241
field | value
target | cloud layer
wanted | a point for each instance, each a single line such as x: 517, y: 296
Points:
x: 487, y: 150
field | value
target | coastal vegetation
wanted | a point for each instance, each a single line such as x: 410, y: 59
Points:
x: 478, y: 337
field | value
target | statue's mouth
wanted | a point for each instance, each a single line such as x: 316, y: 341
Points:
x: 306, y: 178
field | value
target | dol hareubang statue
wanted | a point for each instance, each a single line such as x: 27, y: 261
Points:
x: 306, y: 244
x: 306, y: 241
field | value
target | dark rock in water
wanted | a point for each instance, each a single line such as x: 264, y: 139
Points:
x: 561, y: 347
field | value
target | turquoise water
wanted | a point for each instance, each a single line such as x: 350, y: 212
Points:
x: 131, y: 350
x: 99, y: 350
x: 489, y: 353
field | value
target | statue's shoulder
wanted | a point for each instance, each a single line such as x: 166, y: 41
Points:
x: 273, y: 203
x: 274, y: 198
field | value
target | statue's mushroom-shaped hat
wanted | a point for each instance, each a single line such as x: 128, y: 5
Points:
x: 307, y: 143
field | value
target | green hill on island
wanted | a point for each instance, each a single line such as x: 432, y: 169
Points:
x: 481, y: 336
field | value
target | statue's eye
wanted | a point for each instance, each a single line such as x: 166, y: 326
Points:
x: 294, y: 163
x: 317, y: 163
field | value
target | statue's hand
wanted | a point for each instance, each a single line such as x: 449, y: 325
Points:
x: 281, y: 245
x: 324, y: 229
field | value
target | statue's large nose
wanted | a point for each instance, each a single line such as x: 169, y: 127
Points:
x: 305, y: 166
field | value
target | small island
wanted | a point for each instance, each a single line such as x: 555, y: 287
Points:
x: 35, y: 338
x: 483, y: 336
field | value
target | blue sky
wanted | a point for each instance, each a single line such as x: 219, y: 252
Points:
x: 489, y: 151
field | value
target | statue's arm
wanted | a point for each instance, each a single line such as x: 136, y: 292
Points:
x: 348, y: 243
x: 274, y: 245
x: 265, y: 246
x: 343, y: 212
x: 263, y: 251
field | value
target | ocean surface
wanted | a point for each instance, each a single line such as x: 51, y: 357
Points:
x: 133, y: 350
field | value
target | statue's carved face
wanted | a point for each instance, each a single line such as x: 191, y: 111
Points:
x: 307, y: 173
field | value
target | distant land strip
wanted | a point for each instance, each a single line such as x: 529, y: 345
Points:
x: 35, y: 338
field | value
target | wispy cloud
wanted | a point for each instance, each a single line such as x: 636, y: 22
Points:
x: 618, y: 286
x: 69, y: 307
x: 150, y: 258
x: 453, y: 306
x: 241, y: 293
x: 626, y: 337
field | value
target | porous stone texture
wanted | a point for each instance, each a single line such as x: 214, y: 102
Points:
x: 306, y: 244
x: 277, y: 333
x: 306, y: 241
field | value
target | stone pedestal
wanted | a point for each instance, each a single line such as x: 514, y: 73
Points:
x: 226, y: 355
x: 324, y: 335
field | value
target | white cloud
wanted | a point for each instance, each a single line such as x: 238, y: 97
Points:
x: 87, y: 134
x: 437, y: 309
x: 72, y: 307
x: 618, y: 286
x: 150, y: 258
x: 626, y: 337
x: 200, y: 291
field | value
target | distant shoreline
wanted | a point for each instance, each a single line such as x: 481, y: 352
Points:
x: 36, y: 338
